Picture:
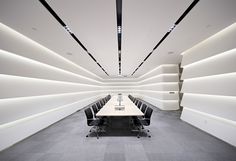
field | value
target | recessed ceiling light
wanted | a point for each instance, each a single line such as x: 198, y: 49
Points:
x: 170, y: 52
x: 68, y: 53
x: 34, y: 28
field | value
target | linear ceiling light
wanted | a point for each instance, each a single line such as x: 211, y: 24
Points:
x: 53, y: 13
x: 168, y: 32
x: 119, y: 30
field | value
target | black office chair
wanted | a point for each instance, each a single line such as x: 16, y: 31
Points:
x: 99, y: 106
x: 101, y: 102
x: 95, y: 109
x: 136, y: 102
x: 141, y: 122
x: 94, y: 122
x: 104, y: 100
x: 139, y: 104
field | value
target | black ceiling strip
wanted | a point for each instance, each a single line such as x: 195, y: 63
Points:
x: 45, y: 4
x: 77, y: 40
x: 119, y: 29
x: 170, y: 30
x: 53, y: 13
x: 163, y: 38
x: 186, y: 11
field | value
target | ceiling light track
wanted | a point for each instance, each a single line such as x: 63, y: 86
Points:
x: 53, y: 13
x: 169, y: 31
x: 119, y: 29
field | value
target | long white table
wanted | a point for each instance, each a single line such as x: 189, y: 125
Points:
x: 129, y: 110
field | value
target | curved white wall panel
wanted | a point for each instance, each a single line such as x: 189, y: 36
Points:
x: 14, y: 132
x: 209, y: 91
x: 38, y: 87
x: 15, y: 42
x: 214, y: 85
x: 13, y: 64
x: 160, y: 87
x: 15, y: 86
x: 16, y: 108
x: 216, y: 44
x: 212, y: 66
x: 162, y: 69
x: 221, y: 106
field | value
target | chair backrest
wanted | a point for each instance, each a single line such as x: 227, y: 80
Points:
x: 95, y: 110
x: 143, y: 108
x: 98, y: 105
x: 139, y: 104
x: 89, y: 115
x: 136, y: 102
x: 148, y: 115
x: 102, y: 102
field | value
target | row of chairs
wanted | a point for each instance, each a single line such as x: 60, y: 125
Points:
x: 145, y: 120
x: 91, y: 112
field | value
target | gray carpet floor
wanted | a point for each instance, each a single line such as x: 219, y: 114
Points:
x: 172, y: 140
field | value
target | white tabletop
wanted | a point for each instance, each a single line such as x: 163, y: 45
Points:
x: 130, y: 108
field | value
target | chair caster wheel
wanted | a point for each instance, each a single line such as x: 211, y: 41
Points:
x: 149, y: 136
x: 138, y: 136
x: 86, y: 136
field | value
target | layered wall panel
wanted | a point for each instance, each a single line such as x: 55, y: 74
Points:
x: 209, y: 93
x: 160, y: 87
x: 38, y: 87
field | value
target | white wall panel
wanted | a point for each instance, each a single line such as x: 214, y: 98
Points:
x: 212, y: 66
x: 214, y: 85
x: 14, y: 132
x: 38, y: 87
x: 220, y: 106
x: 209, y: 91
x: 13, y: 64
x: 218, y: 127
x: 15, y: 42
x: 14, y: 86
x: 161, y: 104
x: 16, y: 108
x: 218, y: 43
x: 161, y: 95
x: 162, y: 69
x: 161, y: 78
x: 161, y: 87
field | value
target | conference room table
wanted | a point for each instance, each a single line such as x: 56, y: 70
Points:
x: 119, y: 117
x: 112, y: 108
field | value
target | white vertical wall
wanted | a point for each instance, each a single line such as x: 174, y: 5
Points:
x: 160, y: 87
x: 38, y: 87
x: 209, y: 78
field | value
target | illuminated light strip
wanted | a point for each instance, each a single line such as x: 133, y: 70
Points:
x: 210, y: 76
x: 48, y: 95
x: 211, y: 116
x: 18, y: 57
x: 4, y: 27
x: 151, y: 84
x: 45, y: 80
x: 210, y: 95
x: 157, y: 76
x: 211, y: 58
x: 165, y: 65
x: 13, y: 123
x: 160, y: 83
x: 163, y: 101
x: 227, y: 29
x: 160, y: 92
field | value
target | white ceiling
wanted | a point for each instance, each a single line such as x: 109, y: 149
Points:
x: 144, y: 23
